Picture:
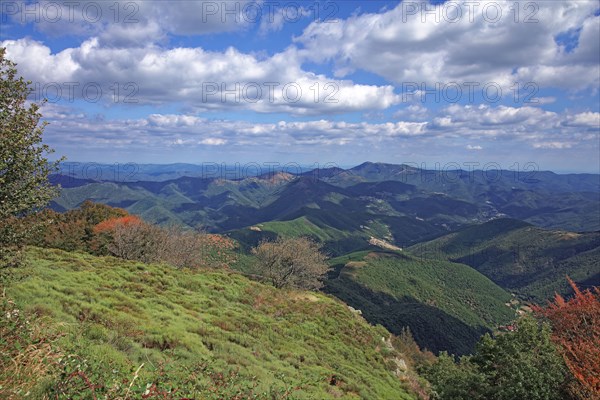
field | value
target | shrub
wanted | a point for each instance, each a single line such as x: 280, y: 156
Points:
x: 576, y: 330
x: 131, y: 238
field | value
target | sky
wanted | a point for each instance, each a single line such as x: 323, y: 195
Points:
x: 491, y: 84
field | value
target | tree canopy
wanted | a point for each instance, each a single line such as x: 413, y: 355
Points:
x: 24, y: 168
x: 523, y: 364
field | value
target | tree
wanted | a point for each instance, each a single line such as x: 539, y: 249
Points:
x: 576, y: 329
x: 455, y: 380
x: 133, y: 239
x: 523, y: 364
x: 24, y: 169
x: 292, y: 262
x: 109, y: 236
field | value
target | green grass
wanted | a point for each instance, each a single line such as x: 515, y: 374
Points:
x: 186, y: 327
x: 303, y: 227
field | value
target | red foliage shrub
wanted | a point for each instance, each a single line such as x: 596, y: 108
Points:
x: 576, y: 329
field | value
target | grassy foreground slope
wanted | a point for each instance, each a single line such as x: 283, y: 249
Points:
x: 446, y: 305
x: 522, y: 258
x: 116, y: 315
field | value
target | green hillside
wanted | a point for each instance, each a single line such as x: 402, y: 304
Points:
x: 193, y: 331
x: 304, y: 227
x: 447, y: 305
x: 520, y: 257
x: 340, y: 233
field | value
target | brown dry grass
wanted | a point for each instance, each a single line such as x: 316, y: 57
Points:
x: 27, y: 352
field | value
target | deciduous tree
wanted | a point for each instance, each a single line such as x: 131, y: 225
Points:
x: 24, y: 169
x: 292, y: 262
x: 524, y: 364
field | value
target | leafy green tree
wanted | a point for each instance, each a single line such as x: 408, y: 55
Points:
x: 456, y: 381
x: 24, y: 169
x: 523, y: 364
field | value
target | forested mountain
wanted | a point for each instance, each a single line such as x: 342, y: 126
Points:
x: 447, y: 306
x: 520, y: 257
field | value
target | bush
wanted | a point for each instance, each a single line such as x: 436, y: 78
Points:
x: 131, y: 238
x: 576, y: 330
x: 73, y: 230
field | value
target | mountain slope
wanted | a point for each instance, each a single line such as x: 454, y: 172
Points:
x: 118, y: 315
x: 520, y: 257
x: 446, y: 305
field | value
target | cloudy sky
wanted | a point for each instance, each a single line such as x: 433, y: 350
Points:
x: 505, y: 82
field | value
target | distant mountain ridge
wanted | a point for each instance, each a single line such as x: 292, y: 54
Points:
x: 445, y: 199
x: 367, y: 171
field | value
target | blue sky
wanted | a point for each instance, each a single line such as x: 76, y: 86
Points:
x: 343, y: 82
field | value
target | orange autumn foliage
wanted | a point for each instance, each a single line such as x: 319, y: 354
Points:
x: 576, y: 329
x: 111, y: 224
